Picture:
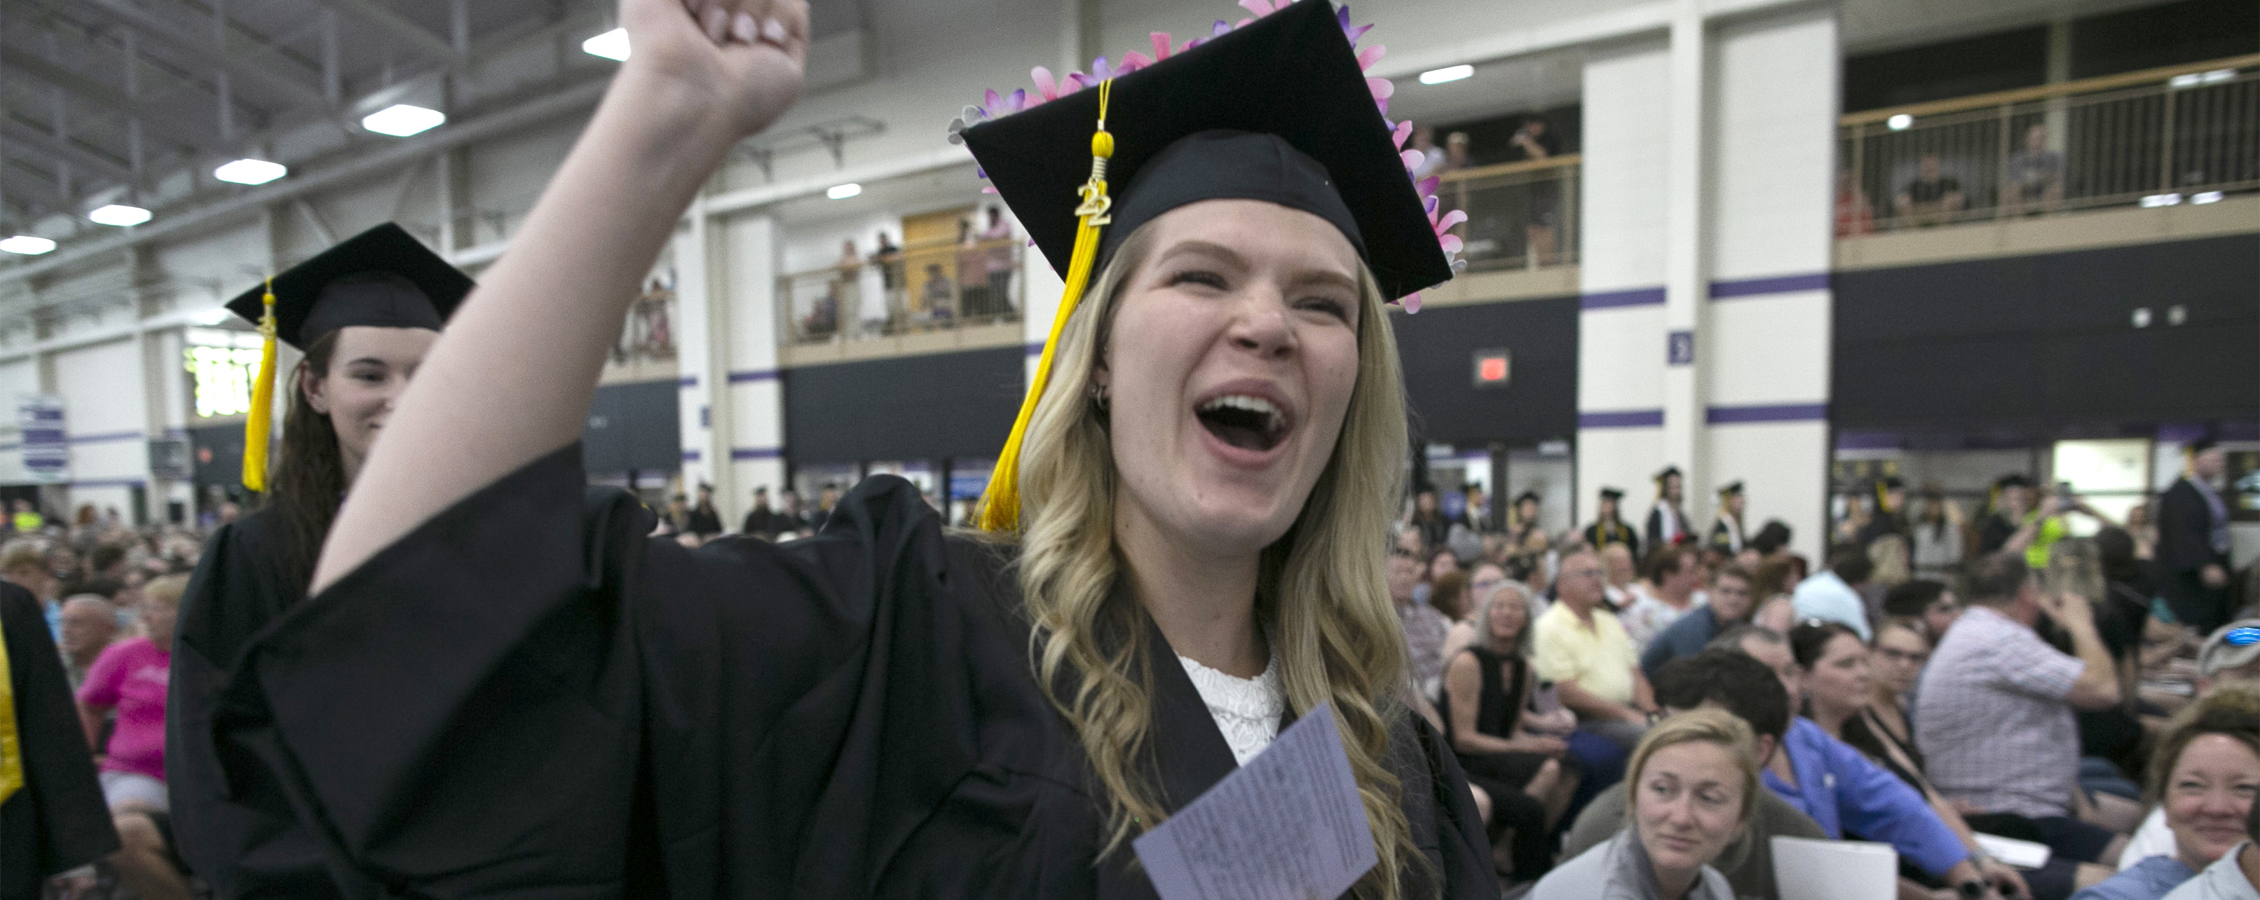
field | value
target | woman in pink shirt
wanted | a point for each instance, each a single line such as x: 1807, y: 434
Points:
x: 131, y: 678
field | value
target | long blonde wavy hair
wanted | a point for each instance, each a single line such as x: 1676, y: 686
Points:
x: 1320, y: 587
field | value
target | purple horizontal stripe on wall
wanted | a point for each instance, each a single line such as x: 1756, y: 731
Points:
x: 1789, y: 412
x: 1036, y: 349
x: 1782, y: 284
x: 1612, y: 299
x: 11, y: 446
x: 761, y: 375
x: 756, y: 452
x: 690, y: 456
x: 1869, y: 440
x: 104, y: 438
x: 1622, y: 418
x: 109, y: 482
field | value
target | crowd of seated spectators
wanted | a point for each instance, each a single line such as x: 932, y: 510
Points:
x: 1939, y: 687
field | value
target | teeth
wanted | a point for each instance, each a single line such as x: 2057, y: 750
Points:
x: 1272, y: 417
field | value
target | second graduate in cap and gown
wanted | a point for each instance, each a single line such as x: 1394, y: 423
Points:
x: 1726, y: 530
x: 502, y: 687
x: 364, y: 313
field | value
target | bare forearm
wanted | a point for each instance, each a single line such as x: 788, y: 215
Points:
x: 512, y: 377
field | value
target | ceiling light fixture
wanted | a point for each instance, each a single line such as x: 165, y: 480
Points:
x: 26, y: 245
x: 402, y: 120
x: 844, y: 191
x: 610, y: 45
x: 119, y: 215
x: 1447, y: 73
x: 250, y: 171
x: 1900, y: 122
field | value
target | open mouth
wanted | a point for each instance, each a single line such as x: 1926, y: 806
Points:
x: 1244, y: 421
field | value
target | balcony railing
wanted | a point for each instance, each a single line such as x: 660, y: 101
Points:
x: 922, y: 287
x: 1520, y: 215
x: 2160, y: 137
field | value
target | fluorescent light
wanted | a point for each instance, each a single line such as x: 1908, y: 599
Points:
x: 213, y: 316
x: 2206, y: 197
x: 26, y: 245
x: 844, y: 191
x: 610, y: 45
x: 1900, y: 122
x: 1447, y: 73
x: 402, y: 120
x: 2184, y: 81
x: 250, y: 171
x: 121, y: 216
x: 2216, y: 76
x: 2161, y: 200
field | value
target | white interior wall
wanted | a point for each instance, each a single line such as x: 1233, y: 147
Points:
x: 1622, y: 218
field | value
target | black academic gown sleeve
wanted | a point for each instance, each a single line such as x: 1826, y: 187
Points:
x: 525, y: 697
x: 239, y: 838
x: 57, y: 820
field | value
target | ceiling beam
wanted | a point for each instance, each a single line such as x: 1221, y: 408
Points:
x: 236, y: 64
x: 27, y: 133
x: 102, y: 95
x: 395, y: 24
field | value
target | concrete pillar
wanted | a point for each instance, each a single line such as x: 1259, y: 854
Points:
x: 1622, y: 229
x: 701, y: 329
x: 747, y: 249
x: 1686, y: 281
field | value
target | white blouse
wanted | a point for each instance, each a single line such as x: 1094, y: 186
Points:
x: 1246, y: 710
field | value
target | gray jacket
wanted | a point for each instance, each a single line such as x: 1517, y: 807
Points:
x: 1619, y: 870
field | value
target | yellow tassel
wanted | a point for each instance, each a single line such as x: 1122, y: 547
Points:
x: 262, y: 420
x: 11, y: 745
x: 1000, y: 503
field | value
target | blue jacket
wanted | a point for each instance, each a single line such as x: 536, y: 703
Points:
x: 1685, y: 637
x: 1841, y: 790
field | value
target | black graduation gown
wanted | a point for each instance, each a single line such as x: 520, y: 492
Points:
x: 238, y: 836
x: 2185, y: 548
x: 1726, y: 536
x: 1655, y: 527
x: 1602, y: 534
x: 525, y: 697
x: 57, y: 821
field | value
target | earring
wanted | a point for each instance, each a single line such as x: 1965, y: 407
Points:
x: 1099, y: 399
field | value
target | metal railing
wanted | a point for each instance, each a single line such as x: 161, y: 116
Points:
x: 2158, y: 137
x: 1520, y: 215
x: 922, y: 287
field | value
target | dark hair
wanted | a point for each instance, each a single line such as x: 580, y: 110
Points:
x: 1851, y: 564
x: 1995, y: 578
x: 105, y: 556
x: 1735, y: 570
x: 1731, y: 679
x: 1912, y: 598
x: 309, y: 480
x: 1808, y: 642
x: 1732, y: 638
x: 1773, y: 577
x: 1664, y: 560
x: 1772, y: 537
x: 107, y: 587
x: 1449, y: 595
x: 2115, y: 549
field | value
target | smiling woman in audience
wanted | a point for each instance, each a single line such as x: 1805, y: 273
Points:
x: 1692, y: 779
x: 2204, y: 774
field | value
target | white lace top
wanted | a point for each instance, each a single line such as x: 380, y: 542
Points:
x: 1247, y: 710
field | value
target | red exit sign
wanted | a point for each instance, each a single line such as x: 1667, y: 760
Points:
x: 1493, y: 368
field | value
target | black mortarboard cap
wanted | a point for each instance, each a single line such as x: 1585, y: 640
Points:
x: 382, y: 277
x: 1668, y: 472
x: 2012, y: 480
x: 1610, y: 493
x: 2201, y: 444
x: 1890, y: 483
x: 1732, y: 488
x: 1277, y: 109
x: 1530, y: 496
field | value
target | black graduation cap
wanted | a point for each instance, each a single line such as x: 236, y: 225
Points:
x: 1890, y: 483
x: 1732, y: 488
x: 1278, y: 110
x: 1668, y: 472
x: 381, y: 277
x: 1610, y: 493
x: 2203, y: 443
x: 1531, y: 496
x: 2012, y: 480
